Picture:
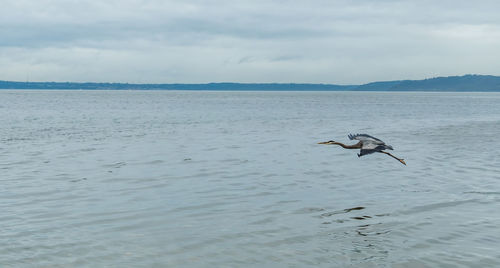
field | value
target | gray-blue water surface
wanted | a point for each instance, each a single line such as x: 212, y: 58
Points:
x: 237, y: 179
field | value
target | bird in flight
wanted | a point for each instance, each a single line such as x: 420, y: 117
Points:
x: 367, y: 145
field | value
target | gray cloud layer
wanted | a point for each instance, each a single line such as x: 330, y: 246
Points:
x: 246, y: 41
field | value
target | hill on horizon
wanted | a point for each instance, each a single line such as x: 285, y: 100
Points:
x: 470, y: 82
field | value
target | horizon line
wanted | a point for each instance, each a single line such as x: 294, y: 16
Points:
x: 248, y: 83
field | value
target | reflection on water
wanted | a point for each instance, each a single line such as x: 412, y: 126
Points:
x: 236, y: 179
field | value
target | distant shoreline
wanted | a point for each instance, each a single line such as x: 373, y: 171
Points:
x: 465, y: 83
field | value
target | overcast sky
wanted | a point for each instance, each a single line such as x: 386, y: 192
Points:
x: 195, y: 41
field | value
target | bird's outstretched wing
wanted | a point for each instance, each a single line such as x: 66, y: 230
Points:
x: 365, y: 137
x: 371, y: 151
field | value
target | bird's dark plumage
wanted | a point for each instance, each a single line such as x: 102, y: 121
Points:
x: 362, y: 137
x: 371, y: 151
x: 369, y: 144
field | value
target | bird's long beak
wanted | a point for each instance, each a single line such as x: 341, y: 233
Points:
x: 326, y: 142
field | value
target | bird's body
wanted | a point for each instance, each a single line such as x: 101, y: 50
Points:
x: 367, y: 145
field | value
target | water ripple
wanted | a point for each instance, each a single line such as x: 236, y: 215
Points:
x: 135, y: 178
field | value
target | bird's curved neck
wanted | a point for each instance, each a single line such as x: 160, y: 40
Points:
x: 354, y: 146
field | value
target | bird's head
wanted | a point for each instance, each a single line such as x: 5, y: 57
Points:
x: 327, y: 142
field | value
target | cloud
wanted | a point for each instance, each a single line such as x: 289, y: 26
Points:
x: 246, y: 41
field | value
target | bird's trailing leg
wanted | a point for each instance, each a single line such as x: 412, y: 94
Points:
x: 399, y: 159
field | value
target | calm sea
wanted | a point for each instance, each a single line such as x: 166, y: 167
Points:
x: 237, y: 179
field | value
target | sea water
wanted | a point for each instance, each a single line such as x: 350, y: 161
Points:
x: 237, y: 179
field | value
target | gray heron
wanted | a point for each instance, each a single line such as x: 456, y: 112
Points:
x: 367, y: 145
